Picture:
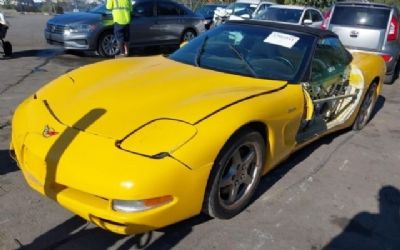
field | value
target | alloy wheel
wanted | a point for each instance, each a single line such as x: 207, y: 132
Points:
x: 239, y: 175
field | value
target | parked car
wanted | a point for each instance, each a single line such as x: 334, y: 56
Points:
x: 369, y: 27
x: 207, y: 11
x: 159, y: 22
x: 300, y: 15
x: 236, y: 9
x: 261, y: 7
x: 136, y: 144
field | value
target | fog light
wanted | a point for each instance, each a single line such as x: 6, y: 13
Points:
x: 139, y: 205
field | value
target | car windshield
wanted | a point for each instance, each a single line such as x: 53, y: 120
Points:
x: 280, y: 15
x: 99, y: 9
x: 241, y: 8
x: 256, y: 51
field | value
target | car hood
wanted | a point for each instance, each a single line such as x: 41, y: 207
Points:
x: 135, y: 91
x: 79, y: 17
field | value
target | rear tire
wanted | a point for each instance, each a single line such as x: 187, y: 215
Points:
x: 107, y: 45
x: 235, y: 175
x: 395, y: 75
x: 366, y: 108
x: 7, y: 48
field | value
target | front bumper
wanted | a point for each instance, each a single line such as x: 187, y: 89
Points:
x: 76, y: 41
x: 85, y: 172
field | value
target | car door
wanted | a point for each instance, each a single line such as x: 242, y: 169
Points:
x: 329, y: 71
x: 143, y: 21
x: 169, y: 23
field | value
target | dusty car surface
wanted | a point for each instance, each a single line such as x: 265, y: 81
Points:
x: 160, y: 22
x: 370, y: 27
x: 300, y: 15
x: 136, y: 144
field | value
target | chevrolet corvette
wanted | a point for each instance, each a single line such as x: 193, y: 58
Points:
x: 136, y: 144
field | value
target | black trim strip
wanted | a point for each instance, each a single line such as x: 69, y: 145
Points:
x: 238, y: 101
x: 52, y: 112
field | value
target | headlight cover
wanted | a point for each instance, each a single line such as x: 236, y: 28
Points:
x: 158, y: 138
x: 79, y: 28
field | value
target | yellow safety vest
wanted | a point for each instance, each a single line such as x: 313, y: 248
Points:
x: 121, y: 10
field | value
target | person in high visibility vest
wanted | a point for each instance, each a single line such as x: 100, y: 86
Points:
x: 121, y: 12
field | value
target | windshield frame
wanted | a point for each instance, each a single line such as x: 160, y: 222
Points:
x: 298, y: 74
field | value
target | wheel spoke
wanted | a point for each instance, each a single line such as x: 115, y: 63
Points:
x: 233, y: 193
x: 249, y: 159
x: 236, y: 158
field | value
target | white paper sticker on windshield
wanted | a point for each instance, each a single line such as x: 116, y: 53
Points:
x: 282, y: 39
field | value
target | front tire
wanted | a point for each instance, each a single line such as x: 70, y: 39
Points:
x: 107, y: 45
x: 188, y: 35
x: 366, y: 108
x: 235, y: 175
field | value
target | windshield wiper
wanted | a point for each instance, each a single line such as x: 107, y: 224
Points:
x: 232, y: 47
x: 199, y: 52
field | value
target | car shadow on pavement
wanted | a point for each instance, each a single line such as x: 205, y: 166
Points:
x: 41, y: 53
x: 296, y: 158
x: 75, y: 234
x: 370, y: 231
x: 8, y: 165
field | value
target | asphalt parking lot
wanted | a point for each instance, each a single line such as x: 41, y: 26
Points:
x: 341, y: 192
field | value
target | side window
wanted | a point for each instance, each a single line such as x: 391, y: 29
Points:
x: 167, y: 9
x: 315, y: 16
x: 143, y: 9
x: 306, y: 16
x: 330, y: 59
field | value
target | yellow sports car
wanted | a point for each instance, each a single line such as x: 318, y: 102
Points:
x: 140, y: 143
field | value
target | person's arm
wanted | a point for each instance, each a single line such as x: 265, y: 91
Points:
x: 109, y: 4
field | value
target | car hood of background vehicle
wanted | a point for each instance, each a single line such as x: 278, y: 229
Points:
x: 79, y: 17
x: 134, y: 91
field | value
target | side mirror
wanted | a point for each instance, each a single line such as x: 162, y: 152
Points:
x: 229, y: 11
x: 307, y: 22
x: 245, y: 16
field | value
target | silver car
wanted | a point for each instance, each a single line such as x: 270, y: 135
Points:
x: 370, y: 27
x: 158, y: 22
x: 301, y: 15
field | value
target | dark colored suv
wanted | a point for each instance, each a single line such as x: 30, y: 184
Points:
x: 370, y: 27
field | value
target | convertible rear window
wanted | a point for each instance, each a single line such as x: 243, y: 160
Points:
x: 361, y: 16
x: 255, y: 51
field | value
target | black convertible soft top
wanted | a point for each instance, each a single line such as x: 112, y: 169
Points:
x: 293, y: 27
